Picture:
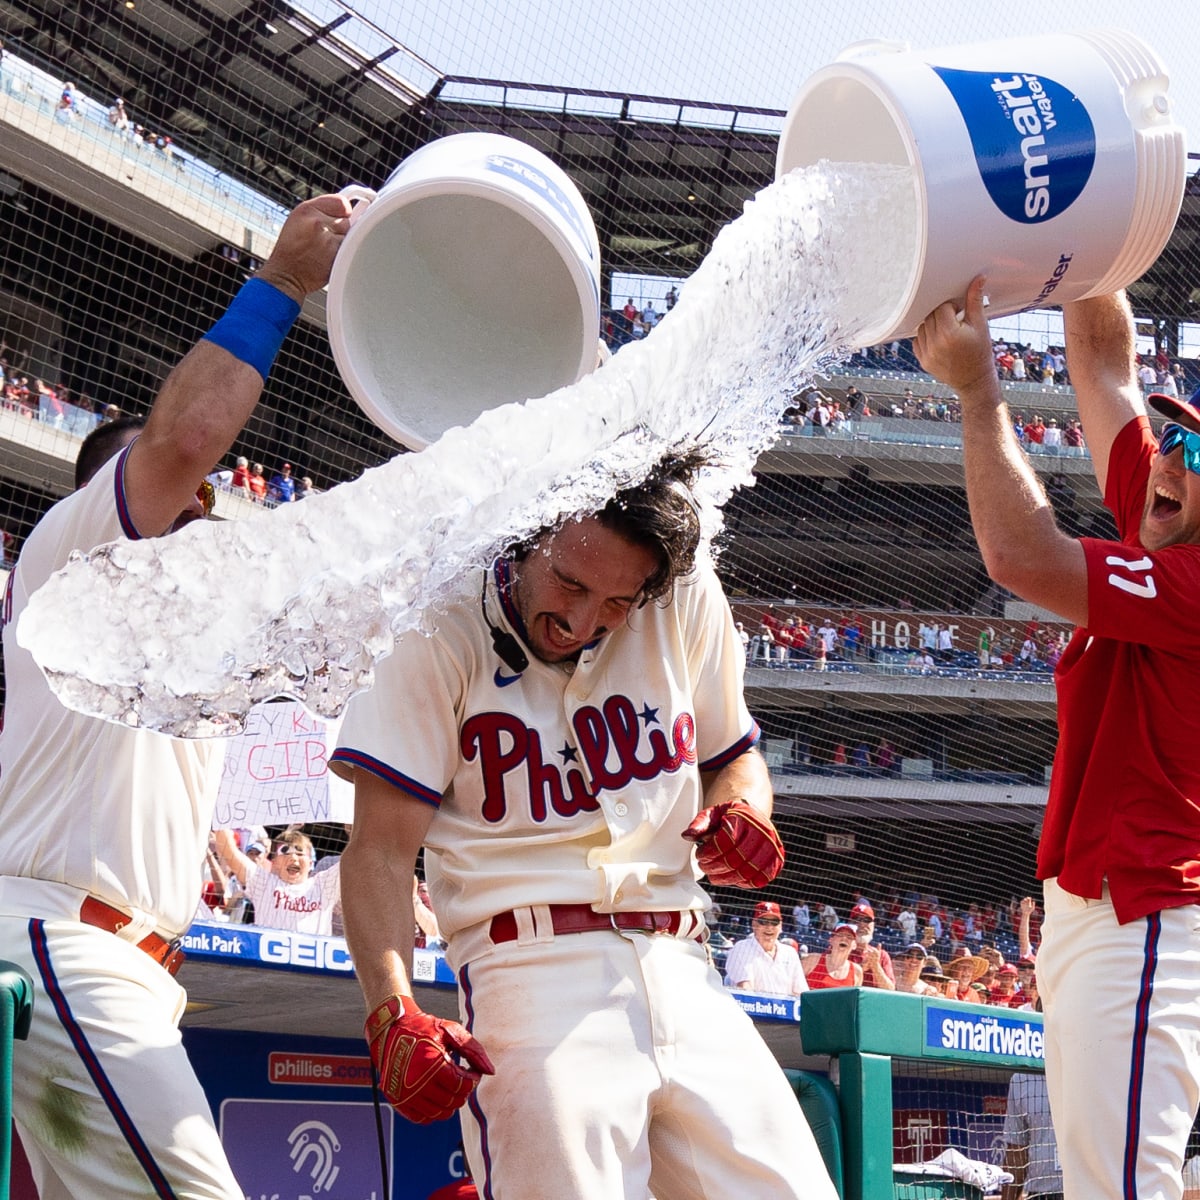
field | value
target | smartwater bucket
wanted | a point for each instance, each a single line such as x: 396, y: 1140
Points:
x: 472, y: 278
x: 1051, y: 164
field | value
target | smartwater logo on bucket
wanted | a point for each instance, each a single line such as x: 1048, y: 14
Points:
x: 1034, y: 141
x: 532, y: 178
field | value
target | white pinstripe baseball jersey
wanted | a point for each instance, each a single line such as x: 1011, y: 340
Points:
x: 564, y: 783
x: 119, y: 813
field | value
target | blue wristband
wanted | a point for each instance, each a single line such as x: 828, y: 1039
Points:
x: 255, y: 324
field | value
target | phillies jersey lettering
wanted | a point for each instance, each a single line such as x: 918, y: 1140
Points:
x: 504, y: 744
x: 573, y: 786
x: 296, y: 904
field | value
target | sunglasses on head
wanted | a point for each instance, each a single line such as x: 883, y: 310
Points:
x: 1174, y: 436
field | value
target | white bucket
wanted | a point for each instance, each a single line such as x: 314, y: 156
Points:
x: 1051, y: 164
x: 471, y: 279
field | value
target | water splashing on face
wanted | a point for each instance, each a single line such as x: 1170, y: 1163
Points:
x: 301, y: 601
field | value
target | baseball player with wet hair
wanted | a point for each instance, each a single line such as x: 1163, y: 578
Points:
x: 103, y: 828
x: 1119, y: 964
x: 573, y: 751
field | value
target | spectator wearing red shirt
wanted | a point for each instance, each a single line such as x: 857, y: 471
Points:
x: 1026, y: 982
x: 1035, y: 431
x: 834, y: 969
x: 785, y: 640
x: 878, y: 971
x: 258, y: 483
x: 1004, y: 990
x: 241, y: 476
x: 958, y: 931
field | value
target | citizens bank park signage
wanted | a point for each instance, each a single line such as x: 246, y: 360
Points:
x: 288, y: 951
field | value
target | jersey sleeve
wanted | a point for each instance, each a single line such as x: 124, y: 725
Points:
x: 404, y: 729
x: 724, y: 726
x: 1129, y: 460
x: 1142, y: 597
x: 87, y: 518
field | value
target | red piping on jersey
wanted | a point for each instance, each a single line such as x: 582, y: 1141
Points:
x: 366, y: 762
x: 41, y: 954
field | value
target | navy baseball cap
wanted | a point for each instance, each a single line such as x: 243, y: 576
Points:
x: 1182, y: 412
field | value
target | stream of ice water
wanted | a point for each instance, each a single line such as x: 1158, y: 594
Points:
x: 302, y: 600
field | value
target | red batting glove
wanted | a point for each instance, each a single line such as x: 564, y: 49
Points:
x: 412, y: 1052
x: 736, y: 845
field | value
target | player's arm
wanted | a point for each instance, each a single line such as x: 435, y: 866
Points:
x: 746, y: 778
x: 209, y: 396
x: 736, y: 843
x: 415, y: 1055
x: 235, y: 861
x: 377, y: 893
x: 1100, y: 353
x: 1021, y: 544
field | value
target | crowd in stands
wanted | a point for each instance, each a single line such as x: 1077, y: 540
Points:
x: 69, y: 110
x: 782, y: 642
x: 56, y: 405
x: 279, y: 882
x: 983, y: 954
x: 630, y: 323
x: 53, y: 404
x: 249, y: 480
x: 1014, y: 361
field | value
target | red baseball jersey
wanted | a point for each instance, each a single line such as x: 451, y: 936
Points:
x: 1125, y: 790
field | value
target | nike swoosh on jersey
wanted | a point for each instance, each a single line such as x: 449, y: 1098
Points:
x: 504, y: 680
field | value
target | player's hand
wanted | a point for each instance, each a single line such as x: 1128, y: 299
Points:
x: 412, y: 1053
x: 304, y: 252
x: 956, y: 348
x: 736, y: 845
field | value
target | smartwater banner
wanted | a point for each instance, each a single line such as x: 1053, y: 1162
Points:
x: 953, y: 1031
x: 280, y: 948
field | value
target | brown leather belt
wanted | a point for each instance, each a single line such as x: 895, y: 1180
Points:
x: 582, y: 918
x: 95, y: 912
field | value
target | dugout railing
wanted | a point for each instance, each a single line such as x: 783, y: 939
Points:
x: 16, y: 1010
x: 872, y: 1037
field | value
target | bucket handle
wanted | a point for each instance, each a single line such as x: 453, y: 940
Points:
x: 869, y: 46
x: 360, y: 198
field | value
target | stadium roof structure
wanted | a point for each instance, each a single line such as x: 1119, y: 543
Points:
x: 300, y: 98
